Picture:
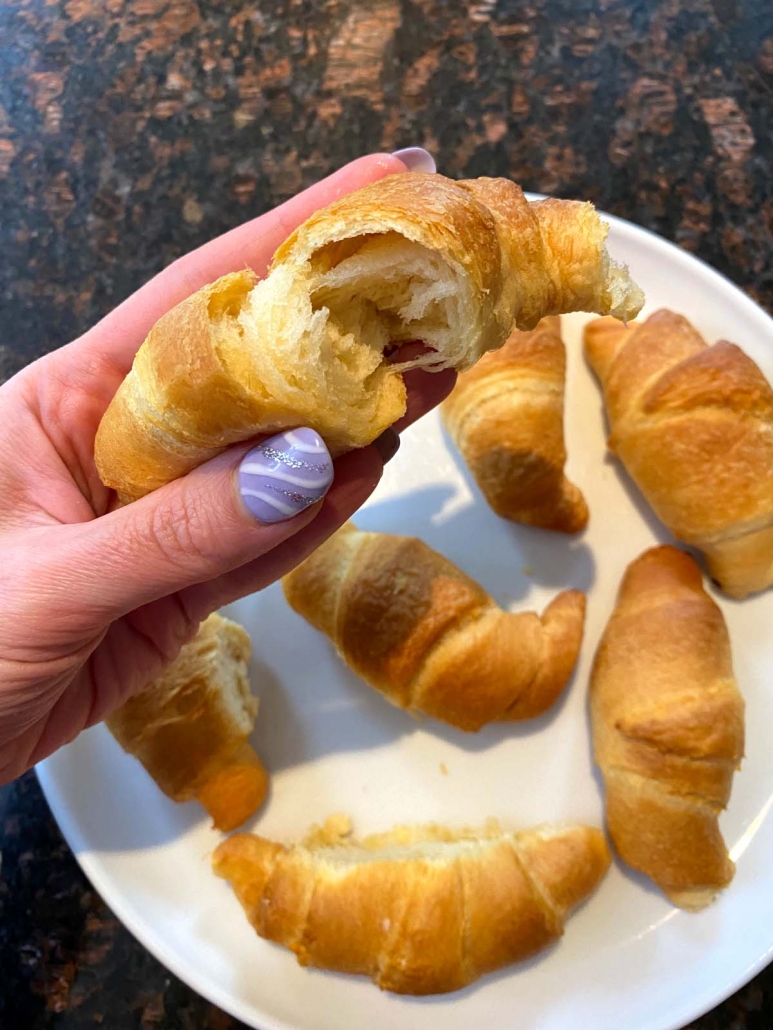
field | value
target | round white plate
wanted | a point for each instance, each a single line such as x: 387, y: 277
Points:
x: 628, y: 958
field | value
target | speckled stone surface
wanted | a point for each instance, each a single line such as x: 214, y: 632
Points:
x: 134, y: 130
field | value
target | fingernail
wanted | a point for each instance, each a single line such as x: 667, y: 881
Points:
x: 416, y: 159
x: 387, y: 445
x: 285, y: 474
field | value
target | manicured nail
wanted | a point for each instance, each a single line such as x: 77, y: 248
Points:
x: 416, y: 159
x: 387, y: 445
x: 285, y: 474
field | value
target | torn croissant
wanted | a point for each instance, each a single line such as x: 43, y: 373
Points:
x: 419, y: 910
x: 412, y: 257
x: 189, y: 727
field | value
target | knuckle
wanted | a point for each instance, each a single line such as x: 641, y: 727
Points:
x: 166, y: 626
x: 179, y: 529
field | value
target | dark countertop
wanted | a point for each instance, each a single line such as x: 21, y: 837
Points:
x: 134, y: 130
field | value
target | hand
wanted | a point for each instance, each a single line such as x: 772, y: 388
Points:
x: 95, y: 599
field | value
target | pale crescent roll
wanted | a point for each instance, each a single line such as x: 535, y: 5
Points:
x: 506, y: 416
x: 668, y: 727
x: 420, y: 910
x: 693, y: 426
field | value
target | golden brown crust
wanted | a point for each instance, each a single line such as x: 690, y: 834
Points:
x: 694, y: 427
x: 572, y: 288
x: 236, y: 360
x: 236, y: 790
x: 189, y: 727
x: 428, y: 637
x: 391, y: 585
x: 179, y: 405
x: 420, y: 910
x: 506, y: 416
x: 668, y: 726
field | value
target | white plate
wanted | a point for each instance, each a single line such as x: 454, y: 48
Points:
x: 628, y: 958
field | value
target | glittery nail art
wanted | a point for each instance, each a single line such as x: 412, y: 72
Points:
x: 285, y: 474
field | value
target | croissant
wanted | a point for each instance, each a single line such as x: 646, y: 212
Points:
x: 428, y: 637
x: 506, y: 416
x: 694, y: 427
x: 668, y: 727
x: 411, y: 257
x: 189, y: 727
x: 420, y: 910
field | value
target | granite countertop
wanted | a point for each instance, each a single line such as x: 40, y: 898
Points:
x: 134, y: 130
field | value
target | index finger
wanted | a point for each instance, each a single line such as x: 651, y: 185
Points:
x: 119, y: 335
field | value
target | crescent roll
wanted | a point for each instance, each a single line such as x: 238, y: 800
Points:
x: 189, y: 727
x: 668, y: 727
x: 506, y: 416
x: 419, y: 910
x: 693, y: 426
x: 411, y: 257
x: 428, y: 637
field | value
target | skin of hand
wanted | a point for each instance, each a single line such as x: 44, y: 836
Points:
x: 95, y: 599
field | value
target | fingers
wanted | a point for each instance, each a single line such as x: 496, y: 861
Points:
x: 119, y: 335
x: 229, y: 514
x: 425, y: 391
x: 223, y: 515
x: 223, y: 530
x: 202, y: 528
x: 357, y: 476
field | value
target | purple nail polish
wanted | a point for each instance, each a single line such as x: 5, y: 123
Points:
x: 285, y: 474
x: 416, y: 159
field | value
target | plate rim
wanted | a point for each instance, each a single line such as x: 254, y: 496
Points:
x: 92, y: 868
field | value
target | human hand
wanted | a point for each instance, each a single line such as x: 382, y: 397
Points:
x: 95, y: 599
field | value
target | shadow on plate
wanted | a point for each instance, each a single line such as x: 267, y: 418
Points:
x: 345, y: 714
x: 361, y: 719
x: 661, y: 535
x: 522, y: 556
x: 122, y: 809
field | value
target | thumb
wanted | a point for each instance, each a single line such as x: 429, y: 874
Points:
x: 222, y: 515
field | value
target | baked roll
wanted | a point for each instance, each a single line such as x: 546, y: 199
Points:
x: 693, y: 426
x: 411, y: 257
x: 428, y: 637
x: 668, y: 727
x: 190, y: 726
x: 419, y: 910
x: 506, y: 416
